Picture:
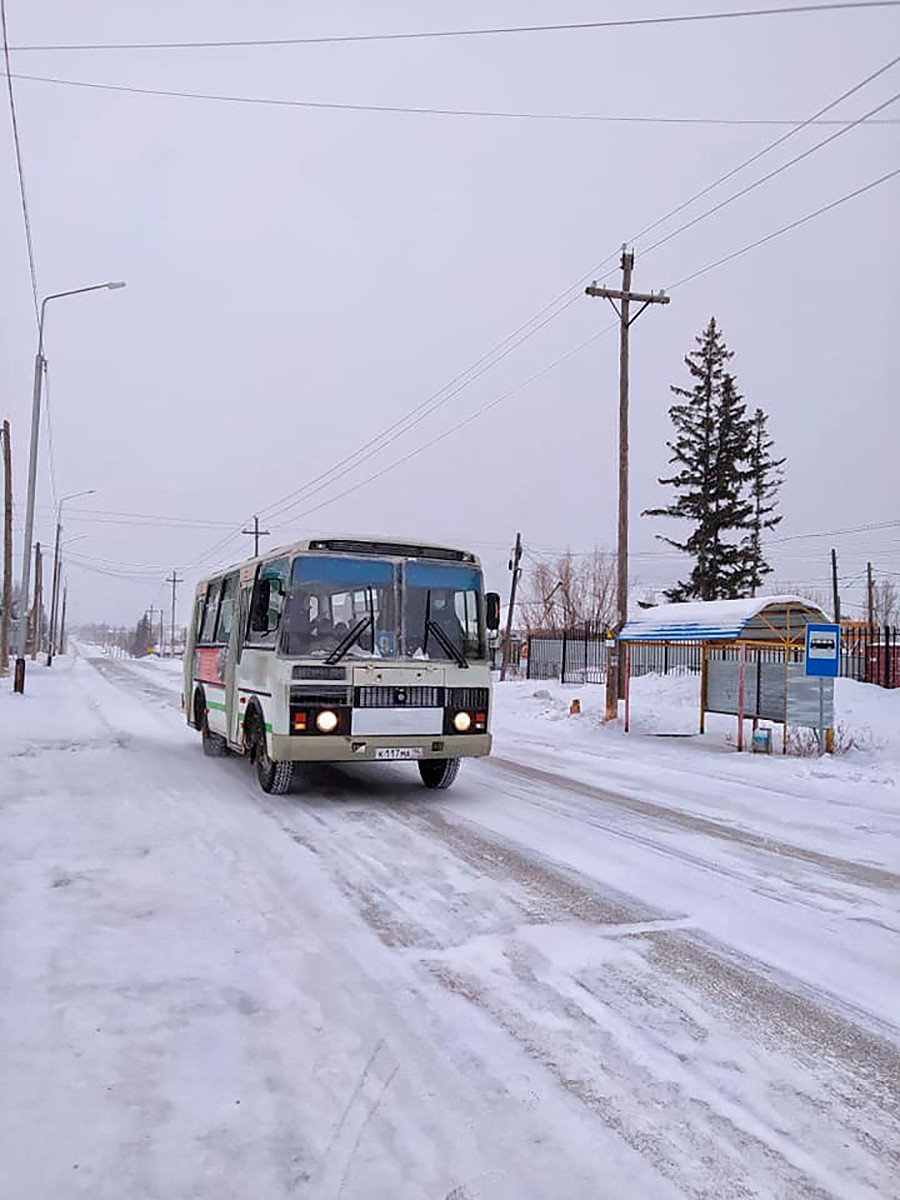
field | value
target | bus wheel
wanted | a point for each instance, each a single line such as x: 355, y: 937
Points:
x: 274, y: 777
x: 214, y: 745
x: 438, y: 772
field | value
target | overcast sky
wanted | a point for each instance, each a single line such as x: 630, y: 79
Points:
x: 300, y: 279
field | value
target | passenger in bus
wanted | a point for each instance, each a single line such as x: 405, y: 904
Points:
x: 441, y: 613
x: 323, y: 634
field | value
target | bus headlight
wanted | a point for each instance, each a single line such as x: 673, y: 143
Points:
x: 462, y: 722
x: 327, y: 721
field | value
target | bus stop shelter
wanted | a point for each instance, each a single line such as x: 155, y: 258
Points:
x: 752, y: 657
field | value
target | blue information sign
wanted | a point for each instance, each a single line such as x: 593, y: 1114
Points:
x: 823, y: 650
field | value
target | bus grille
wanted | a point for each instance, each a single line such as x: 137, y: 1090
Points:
x: 467, y: 697
x: 399, y: 697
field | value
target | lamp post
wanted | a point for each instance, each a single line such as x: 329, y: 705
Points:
x: 39, y: 364
x: 54, y: 590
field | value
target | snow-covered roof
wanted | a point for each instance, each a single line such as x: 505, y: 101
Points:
x: 723, y: 620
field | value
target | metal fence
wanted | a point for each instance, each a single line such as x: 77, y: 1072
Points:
x: 870, y: 655
x: 579, y: 656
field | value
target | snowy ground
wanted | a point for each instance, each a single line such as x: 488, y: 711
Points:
x: 600, y: 967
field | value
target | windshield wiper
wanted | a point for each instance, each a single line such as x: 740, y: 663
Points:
x: 442, y: 637
x: 350, y: 639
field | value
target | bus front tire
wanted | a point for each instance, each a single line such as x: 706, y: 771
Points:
x: 275, y: 778
x: 439, y: 772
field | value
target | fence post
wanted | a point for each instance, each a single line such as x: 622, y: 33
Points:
x: 703, y: 680
x: 562, y: 669
x: 665, y: 658
x: 528, y: 659
x: 740, y: 715
x: 887, y: 657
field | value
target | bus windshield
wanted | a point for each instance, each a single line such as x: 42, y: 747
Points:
x: 443, y: 611
x: 341, y: 608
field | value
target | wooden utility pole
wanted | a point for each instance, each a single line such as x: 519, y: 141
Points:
x: 256, y: 533
x: 162, y: 635
x: 625, y: 297
x: 834, y: 588
x: 174, y: 580
x: 513, y: 587
x: 871, y: 590
x: 38, y: 601
x: 62, y: 623
x: 6, y: 615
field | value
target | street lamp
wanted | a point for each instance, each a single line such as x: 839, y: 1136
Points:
x: 54, y: 591
x: 39, y: 364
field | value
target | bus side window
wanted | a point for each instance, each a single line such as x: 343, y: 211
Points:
x: 272, y: 579
x: 226, y: 609
x: 210, y: 611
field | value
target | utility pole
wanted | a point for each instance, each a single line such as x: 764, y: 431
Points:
x: 54, y: 590
x: 834, y: 587
x: 871, y: 596
x: 162, y: 635
x: 625, y: 297
x: 38, y: 601
x: 62, y: 624
x: 174, y: 580
x: 6, y: 615
x: 513, y: 587
x: 52, y: 640
x: 256, y: 533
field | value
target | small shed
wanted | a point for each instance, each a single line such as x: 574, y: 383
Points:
x: 751, y: 656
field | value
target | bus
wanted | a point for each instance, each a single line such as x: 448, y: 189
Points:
x: 343, y: 649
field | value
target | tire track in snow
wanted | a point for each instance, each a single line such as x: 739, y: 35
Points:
x: 852, y: 872
x: 435, y: 887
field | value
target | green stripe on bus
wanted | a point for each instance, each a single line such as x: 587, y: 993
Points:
x: 215, y: 704
x: 268, y: 727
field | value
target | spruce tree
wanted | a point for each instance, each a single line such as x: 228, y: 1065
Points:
x: 765, y: 478
x: 709, y: 451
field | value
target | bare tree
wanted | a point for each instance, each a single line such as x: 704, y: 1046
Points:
x: 569, y: 591
x: 886, y: 602
x: 817, y: 596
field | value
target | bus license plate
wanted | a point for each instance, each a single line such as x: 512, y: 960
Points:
x: 393, y: 753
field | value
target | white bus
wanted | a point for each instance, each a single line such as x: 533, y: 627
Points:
x: 343, y: 650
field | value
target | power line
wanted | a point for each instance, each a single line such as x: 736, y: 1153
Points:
x: 420, y: 35
x: 479, y: 412
x: 419, y: 413
x: 870, y: 528
x: 557, y: 361
x: 113, y: 516
x: 771, y: 175
x: 427, y: 110
x: 492, y: 404
x: 19, y: 170
x: 787, y: 228
x: 349, y: 462
x: 767, y: 149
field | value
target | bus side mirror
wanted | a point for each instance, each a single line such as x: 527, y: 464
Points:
x: 492, y: 613
x: 259, y: 612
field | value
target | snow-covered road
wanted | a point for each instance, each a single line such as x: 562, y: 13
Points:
x: 540, y: 984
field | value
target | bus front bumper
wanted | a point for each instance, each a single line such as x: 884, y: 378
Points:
x: 337, y: 748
